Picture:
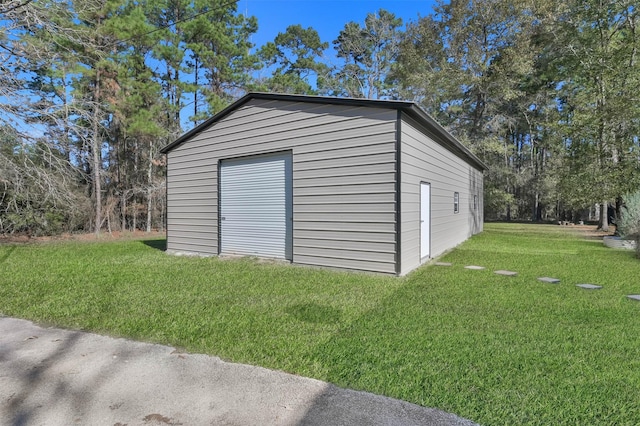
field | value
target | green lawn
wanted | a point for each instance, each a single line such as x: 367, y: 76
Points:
x: 494, y: 349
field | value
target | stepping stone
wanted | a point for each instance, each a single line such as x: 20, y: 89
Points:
x: 507, y: 273
x: 589, y: 286
x: 474, y: 267
x: 443, y: 264
x: 634, y: 296
x: 549, y: 280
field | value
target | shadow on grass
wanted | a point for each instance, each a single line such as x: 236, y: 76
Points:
x: 315, y: 313
x: 5, y: 256
x: 156, y: 244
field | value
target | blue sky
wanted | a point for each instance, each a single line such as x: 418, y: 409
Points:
x: 327, y: 17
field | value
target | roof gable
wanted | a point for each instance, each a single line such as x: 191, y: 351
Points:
x: 410, y: 108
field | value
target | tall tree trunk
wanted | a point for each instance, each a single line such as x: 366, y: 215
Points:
x: 149, y: 187
x: 134, y: 226
x: 149, y: 206
x: 67, y: 128
x: 195, y: 92
x: 619, y: 204
x: 537, y: 208
x: 123, y: 210
x: 95, y: 146
x: 603, y: 223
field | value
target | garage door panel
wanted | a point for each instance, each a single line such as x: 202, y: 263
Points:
x: 256, y: 206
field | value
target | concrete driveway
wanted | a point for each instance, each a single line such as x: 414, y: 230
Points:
x: 50, y: 376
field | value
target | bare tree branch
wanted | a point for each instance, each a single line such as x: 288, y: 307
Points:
x: 11, y: 8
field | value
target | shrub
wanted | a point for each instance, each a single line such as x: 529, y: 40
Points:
x: 629, y: 223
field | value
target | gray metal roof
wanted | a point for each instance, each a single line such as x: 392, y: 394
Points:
x: 410, y: 108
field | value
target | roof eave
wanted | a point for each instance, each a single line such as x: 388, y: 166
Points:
x: 209, y: 122
x: 410, y: 107
x: 452, y: 140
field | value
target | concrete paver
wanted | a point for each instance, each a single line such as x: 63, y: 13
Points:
x: 549, y: 280
x: 589, y: 286
x: 506, y: 273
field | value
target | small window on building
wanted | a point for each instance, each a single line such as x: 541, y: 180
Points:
x: 475, y: 203
x: 456, y: 202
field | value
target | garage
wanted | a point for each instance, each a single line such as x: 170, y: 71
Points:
x: 256, y: 206
x: 357, y: 184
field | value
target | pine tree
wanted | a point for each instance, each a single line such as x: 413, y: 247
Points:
x: 295, y: 54
x: 368, y: 52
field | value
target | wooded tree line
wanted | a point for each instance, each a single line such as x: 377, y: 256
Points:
x: 544, y: 92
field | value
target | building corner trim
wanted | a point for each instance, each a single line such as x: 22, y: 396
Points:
x: 398, y: 160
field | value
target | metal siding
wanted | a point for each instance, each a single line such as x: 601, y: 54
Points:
x: 360, y: 217
x: 347, y: 254
x: 323, y: 139
x: 345, y: 208
x: 320, y: 162
x: 338, y: 180
x: 284, y: 131
x: 363, y: 246
x: 360, y: 188
x: 343, y: 171
x: 190, y: 244
x: 188, y: 211
x: 255, y: 211
x: 343, y: 236
x: 342, y: 263
x: 344, y: 199
x: 425, y: 160
x: 343, y: 178
x: 338, y: 225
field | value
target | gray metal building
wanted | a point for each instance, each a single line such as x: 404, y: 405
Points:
x: 344, y: 183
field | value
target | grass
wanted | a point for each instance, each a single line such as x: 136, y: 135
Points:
x: 494, y: 349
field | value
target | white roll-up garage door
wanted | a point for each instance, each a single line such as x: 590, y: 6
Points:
x: 256, y: 206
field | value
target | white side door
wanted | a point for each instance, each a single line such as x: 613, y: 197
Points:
x: 425, y: 220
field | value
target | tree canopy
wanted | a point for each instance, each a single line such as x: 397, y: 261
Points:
x: 545, y: 93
